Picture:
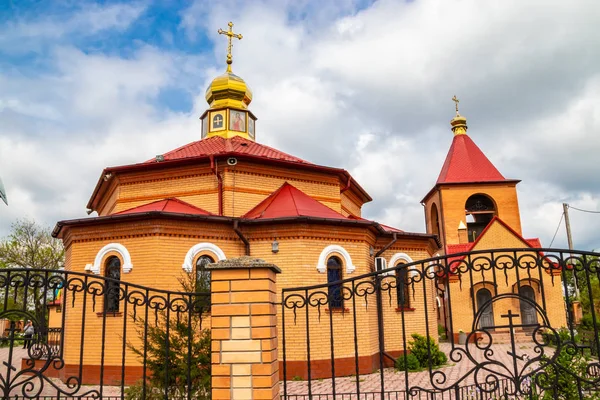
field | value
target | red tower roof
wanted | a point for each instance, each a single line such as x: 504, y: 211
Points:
x: 465, y: 163
x: 237, y: 145
x: 287, y: 201
x: 171, y: 205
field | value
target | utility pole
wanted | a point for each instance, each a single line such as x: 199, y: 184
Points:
x: 570, y: 241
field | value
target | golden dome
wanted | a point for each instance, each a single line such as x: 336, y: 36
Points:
x: 228, y: 90
x: 459, y: 123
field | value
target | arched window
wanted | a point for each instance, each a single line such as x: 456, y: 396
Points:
x: 479, y: 211
x: 435, y: 220
x: 202, y: 274
x: 487, y: 314
x: 111, y: 295
x: 402, y: 286
x: 334, y: 273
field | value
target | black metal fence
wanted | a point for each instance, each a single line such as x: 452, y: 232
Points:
x: 481, y: 325
x: 106, y: 339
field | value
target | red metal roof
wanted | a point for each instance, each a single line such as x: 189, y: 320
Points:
x: 170, y: 205
x: 388, y: 228
x: 464, y: 247
x: 466, y: 162
x: 237, y: 145
x: 287, y: 201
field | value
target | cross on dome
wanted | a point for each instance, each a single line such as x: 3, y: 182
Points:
x: 228, y: 97
x: 230, y: 35
x: 459, y: 123
x: 456, y: 101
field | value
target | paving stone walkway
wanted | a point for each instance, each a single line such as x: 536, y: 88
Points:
x: 43, y: 386
x: 459, y: 370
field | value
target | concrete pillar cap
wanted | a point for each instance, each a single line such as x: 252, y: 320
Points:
x: 244, y: 262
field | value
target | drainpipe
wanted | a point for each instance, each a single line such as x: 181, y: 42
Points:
x: 347, y: 184
x: 236, y: 229
x: 213, y: 168
x: 387, y: 246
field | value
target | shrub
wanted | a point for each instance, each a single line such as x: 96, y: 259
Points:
x: 557, y: 377
x: 442, y: 332
x: 564, y: 335
x: 587, y: 322
x: 418, y: 347
x: 412, y: 364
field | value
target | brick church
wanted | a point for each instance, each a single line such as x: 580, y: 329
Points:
x: 227, y: 195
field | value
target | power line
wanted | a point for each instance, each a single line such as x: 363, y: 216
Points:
x: 557, y: 228
x: 586, y: 211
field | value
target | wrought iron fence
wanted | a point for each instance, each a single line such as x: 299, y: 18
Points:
x: 509, y: 315
x: 111, y: 339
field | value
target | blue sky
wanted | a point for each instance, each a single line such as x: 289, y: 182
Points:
x: 360, y: 85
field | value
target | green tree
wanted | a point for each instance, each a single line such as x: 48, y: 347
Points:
x: 187, y: 367
x: 29, y: 245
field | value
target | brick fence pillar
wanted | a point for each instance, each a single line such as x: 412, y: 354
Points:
x: 244, y: 330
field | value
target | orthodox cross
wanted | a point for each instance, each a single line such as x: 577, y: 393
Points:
x: 455, y: 100
x: 230, y: 35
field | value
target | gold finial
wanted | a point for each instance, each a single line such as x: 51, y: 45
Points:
x: 229, y: 35
x: 459, y: 123
x: 456, y: 101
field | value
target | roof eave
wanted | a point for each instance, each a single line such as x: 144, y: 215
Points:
x: 136, y: 216
x: 440, y: 184
x: 191, y: 160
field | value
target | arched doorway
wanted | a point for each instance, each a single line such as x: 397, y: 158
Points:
x: 528, y: 312
x: 479, y: 211
x: 487, y: 314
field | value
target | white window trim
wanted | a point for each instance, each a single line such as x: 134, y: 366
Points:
x: 117, y: 248
x: 399, y: 257
x: 331, y: 249
x: 188, y: 263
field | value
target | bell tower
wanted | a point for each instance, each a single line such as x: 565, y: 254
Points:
x: 469, y: 192
x: 228, y: 97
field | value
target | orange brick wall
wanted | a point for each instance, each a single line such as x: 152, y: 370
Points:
x: 244, y: 186
x: 452, y: 206
x: 498, y: 237
x: 158, y: 248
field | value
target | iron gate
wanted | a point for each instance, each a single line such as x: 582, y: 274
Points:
x: 101, y: 338
x: 526, y: 339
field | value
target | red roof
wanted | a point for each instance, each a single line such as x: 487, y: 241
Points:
x: 465, y: 247
x: 170, y: 205
x: 465, y: 162
x: 287, y: 201
x: 388, y: 228
x: 218, y: 146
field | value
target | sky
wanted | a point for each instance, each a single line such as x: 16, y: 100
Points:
x: 360, y: 85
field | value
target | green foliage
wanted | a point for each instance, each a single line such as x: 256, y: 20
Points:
x: 189, y: 353
x: 419, y: 346
x: 564, y: 335
x: 30, y: 245
x: 560, y: 375
x: 442, y: 332
x: 587, y: 322
x: 411, y: 362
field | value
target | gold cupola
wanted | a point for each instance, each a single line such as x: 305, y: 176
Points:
x: 458, y: 123
x: 228, y: 97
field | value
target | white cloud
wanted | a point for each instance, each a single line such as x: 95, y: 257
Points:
x: 364, y: 89
x: 89, y: 20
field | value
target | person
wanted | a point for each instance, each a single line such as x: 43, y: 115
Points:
x: 238, y: 122
x: 28, y: 337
